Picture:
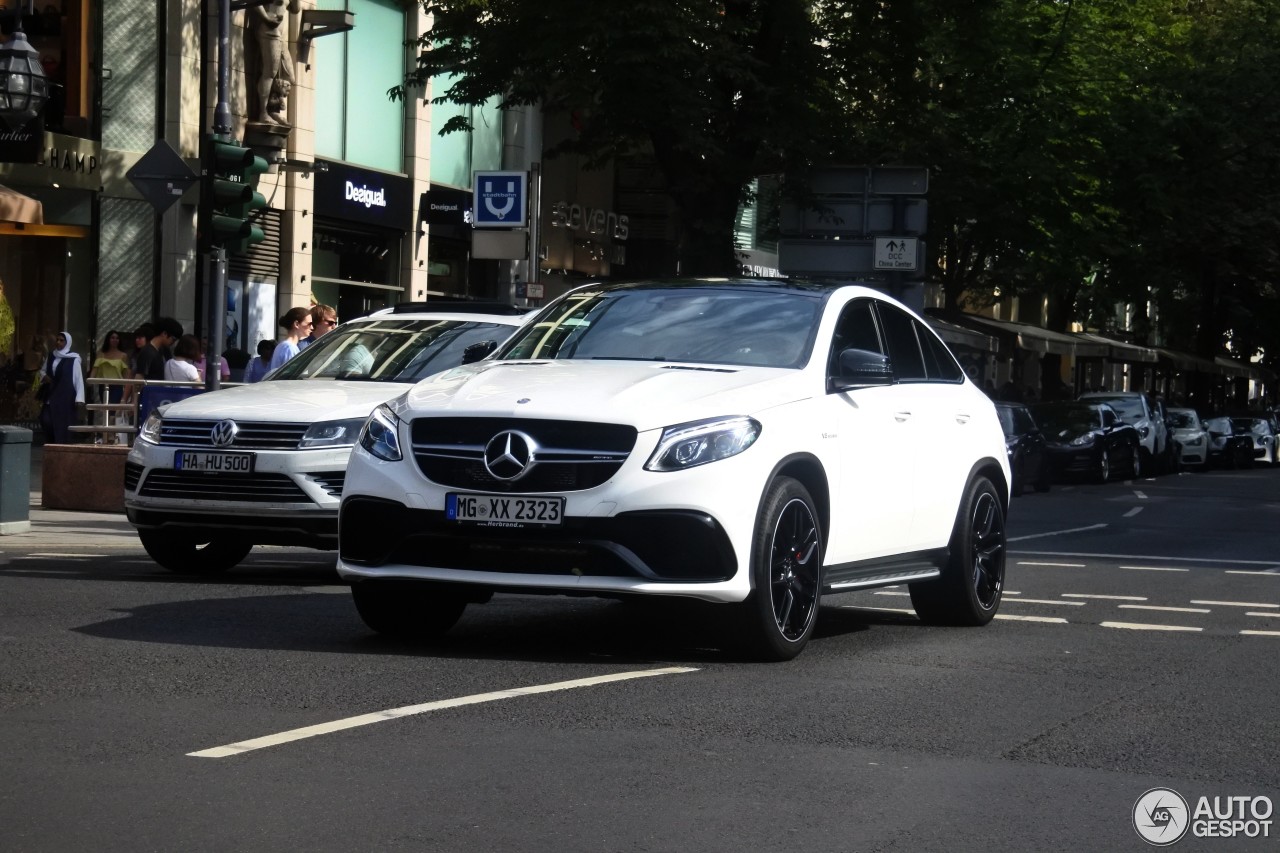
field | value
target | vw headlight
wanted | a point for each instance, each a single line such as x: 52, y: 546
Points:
x: 332, y: 434
x: 381, y: 436
x: 151, y: 429
x: 1083, y: 440
x: 1195, y: 442
x: 688, y: 445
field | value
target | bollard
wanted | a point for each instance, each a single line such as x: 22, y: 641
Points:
x: 15, y: 480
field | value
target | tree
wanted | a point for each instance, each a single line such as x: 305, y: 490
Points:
x: 717, y: 92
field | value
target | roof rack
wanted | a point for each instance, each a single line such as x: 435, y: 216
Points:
x: 459, y: 306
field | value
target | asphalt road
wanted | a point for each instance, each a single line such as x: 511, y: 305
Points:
x: 1136, y: 649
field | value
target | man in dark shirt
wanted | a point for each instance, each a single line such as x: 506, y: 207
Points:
x: 151, y: 358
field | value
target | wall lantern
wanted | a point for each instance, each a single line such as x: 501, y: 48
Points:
x: 24, y: 89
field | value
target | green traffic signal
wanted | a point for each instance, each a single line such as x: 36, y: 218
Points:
x: 232, y: 173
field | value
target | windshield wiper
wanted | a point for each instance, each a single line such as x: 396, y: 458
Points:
x: 627, y: 358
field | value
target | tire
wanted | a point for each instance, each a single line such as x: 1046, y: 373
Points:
x: 1104, y: 466
x: 193, y: 552
x: 970, y: 588
x: 777, y: 619
x: 1135, y: 465
x: 414, y: 612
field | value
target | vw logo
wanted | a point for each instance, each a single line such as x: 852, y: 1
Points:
x: 223, y: 433
x: 509, y: 455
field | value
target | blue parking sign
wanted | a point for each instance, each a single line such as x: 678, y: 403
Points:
x: 498, y: 199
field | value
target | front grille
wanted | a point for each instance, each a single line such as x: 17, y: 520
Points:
x: 571, y: 456
x: 132, y: 474
x: 331, y: 481
x: 252, y: 488
x: 251, y: 435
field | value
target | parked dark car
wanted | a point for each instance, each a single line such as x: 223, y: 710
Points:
x: 1230, y: 445
x: 1088, y: 439
x: 1028, y: 457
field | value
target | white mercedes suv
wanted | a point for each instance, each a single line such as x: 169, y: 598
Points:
x: 755, y: 444
x: 211, y: 476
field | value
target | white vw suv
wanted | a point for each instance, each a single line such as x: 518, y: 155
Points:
x: 211, y: 476
x: 749, y: 443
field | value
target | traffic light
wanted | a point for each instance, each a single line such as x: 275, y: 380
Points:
x: 233, y: 172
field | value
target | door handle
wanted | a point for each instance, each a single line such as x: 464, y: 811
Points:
x: 901, y: 416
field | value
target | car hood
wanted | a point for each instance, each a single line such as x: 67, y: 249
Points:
x: 289, y: 401
x: 646, y: 395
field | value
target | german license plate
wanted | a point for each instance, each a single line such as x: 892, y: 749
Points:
x: 223, y: 463
x: 505, y: 510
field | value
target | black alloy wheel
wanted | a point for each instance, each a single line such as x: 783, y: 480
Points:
x: 787, y: 572
x: 1104, y: 466
x: 970, y: 589
x: 1135, y: 463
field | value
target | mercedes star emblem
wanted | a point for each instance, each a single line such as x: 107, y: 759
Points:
x: 509, y: 455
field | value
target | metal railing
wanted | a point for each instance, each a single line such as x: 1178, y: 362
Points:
x: 116, y: 423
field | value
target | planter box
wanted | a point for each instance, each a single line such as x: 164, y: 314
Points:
x: 83, y: 476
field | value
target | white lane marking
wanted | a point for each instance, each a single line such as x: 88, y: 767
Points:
x: 327, y: 590
x: 1236, y: 603
x: 1047, y: 601
x: 1141, y: 495
x: 1262, y: 633
x: 1131, y: 513
x: 1153, y: 569
x: 1269, y: 573
x: 1010, y: 592
x: 1055, y: 533
x: 886, y: 592
x: 908, y: 611
x: 61, y: 554
x: 1105, y: 597
x: 1155, y: 557
x: 1254, y: 613
x: 411, y: 710
x: 1052, y: 565
x: 1143, y: 626
x: 1015, y: 617
x: 1168, y: 609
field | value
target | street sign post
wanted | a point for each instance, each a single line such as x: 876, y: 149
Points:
x: 162, y: 176
x: 500, y: 199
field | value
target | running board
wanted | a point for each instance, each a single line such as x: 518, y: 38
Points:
x: 885, y: 571
x: 883, y: 580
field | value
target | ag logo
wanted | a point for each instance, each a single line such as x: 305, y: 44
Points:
x: 1161, y: 816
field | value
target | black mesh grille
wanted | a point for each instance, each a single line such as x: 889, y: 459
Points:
x: 132, y: 473
x: 572, y: 456
x: 254, y: 488
x: 251, y: 436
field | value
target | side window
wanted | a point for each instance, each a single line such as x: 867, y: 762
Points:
x: 856, y: 328
x: 940, y: 365
x: 1108, y: 418
x: 904, y: 348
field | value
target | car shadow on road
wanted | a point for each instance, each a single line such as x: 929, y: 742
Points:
x: 510, y: 627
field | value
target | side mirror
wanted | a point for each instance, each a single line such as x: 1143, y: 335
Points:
x: 860, y: 368
x: 478, y: 350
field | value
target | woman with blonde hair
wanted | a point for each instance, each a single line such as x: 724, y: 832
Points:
x: 296, y: 323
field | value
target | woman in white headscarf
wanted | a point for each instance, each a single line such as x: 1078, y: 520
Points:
x: 64, y: 381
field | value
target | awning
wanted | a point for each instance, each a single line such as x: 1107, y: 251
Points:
x: 1187, y: 361
x: 16, y: 207
x: 1123, y: 350
x: 1033, y: 338
x: 959, y: 336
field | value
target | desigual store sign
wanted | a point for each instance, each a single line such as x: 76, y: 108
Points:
x: 365, y: 196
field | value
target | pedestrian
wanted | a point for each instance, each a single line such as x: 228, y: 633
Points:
x: 141, y: 336
x: 323, y: 319
x: 258, y: 367
x: 296, y: 323
x: 111, y: 363
x: 182, y: 367
x: 225, y: 371
x: 151, y: 358
x: 62, y: 389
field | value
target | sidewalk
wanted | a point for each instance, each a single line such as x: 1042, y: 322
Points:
x: 55, y: 528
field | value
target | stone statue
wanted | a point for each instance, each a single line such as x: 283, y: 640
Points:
x: 269, y: 26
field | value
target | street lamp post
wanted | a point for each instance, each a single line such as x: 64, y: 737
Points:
x: 24, y: 89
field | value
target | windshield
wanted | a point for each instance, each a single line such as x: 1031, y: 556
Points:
x: 707, y: 325
x: 1129, y: 408
x: 1183, y: 420
x: 1068, y: 421
x: 392, y: 350
x: 1257, y: 426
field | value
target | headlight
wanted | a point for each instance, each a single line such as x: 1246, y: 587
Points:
x: 688, y: 445
x: 1083, y: 440
x: 1194, y: 442
x: 332, y: 434
x: 380, y: 435
x: 151, y: 429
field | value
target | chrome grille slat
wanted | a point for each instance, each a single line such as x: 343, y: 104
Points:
x: 250, y: 488
x: 252, y: 436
